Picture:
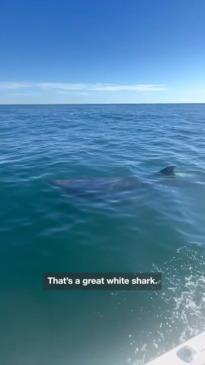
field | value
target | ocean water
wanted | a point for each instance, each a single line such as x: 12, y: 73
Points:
x: 159, y: 227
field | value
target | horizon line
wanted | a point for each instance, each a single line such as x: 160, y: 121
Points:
x: 150, y: 103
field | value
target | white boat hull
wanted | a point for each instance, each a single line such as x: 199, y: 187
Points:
x: 191, y: 352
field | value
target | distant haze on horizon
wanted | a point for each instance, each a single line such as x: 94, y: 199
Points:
x: 92, y: 52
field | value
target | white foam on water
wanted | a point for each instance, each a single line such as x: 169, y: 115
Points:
x: 180, y: 304
x: 182, y: 174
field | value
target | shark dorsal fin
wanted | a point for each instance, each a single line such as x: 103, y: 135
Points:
x: 169, y: 170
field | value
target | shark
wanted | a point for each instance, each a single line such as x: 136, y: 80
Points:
x: 85, y: 187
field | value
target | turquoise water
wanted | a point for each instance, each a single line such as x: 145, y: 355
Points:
x: 159, y: 227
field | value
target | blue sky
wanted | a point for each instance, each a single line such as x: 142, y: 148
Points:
x: 102, y: 51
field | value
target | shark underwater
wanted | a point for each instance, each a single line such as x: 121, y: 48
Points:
x: 101, y: 186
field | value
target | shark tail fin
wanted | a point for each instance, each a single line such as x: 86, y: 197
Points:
x: 169, y: 170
